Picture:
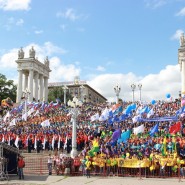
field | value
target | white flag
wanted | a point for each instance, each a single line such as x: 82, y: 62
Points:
x: 45, y: 123
x: 6, y: 116
x: 35, y: 143
x: 95, y: 117
x: 37, y: 112
x: 44, y: 143
x: 12, y: 123
x: 16, y: 141
x: 151, y: 113
x: 139, y: 129
x: 59, y: 142
x: 3, y: 139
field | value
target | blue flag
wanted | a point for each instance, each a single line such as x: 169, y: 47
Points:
x: 154, y: 129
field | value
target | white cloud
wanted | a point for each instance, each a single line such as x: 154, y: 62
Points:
x: 11, y: 22
x: 37, y: 32
x: 100, y: 68
x: 63, y: 27
x: 61, y: 72
x: 177, y: 35
x: 71, y: 15
x: 155, y: 3
x: 20, y: 22
x: 154, y: 86
x: 181, y: 12
x: 11, y: 5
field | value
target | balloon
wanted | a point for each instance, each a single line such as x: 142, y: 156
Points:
x: 133, y: 106
x: 153, y: 102
x: 168, y: 95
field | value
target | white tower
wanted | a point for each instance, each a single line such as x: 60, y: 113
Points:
x: 181, y: 61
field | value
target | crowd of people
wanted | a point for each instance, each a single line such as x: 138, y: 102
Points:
x: 110, y: 137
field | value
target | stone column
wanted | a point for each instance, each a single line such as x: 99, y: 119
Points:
x: 25, y: 81
x: 183, y: 77
x: 30, y: 85
x: 19, y: 86
x: 36, y: 78
x: 45, y: 89
x: 41, y: 88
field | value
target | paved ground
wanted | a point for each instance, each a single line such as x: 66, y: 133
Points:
x: 64, y: 180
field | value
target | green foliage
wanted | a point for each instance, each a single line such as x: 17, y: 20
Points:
x: 7, y: 88
x: 57, y: 92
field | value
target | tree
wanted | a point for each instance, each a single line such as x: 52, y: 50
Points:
x: 57, y: 92
x: 7, y: 88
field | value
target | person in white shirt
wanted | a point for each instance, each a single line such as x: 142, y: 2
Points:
x: 50, y: 162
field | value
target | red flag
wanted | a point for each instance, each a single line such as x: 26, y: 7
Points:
x: 175, y: 128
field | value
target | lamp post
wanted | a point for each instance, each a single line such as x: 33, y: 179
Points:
x: 82, y: 88
x: 74, y: 104
x: 133, y: 87
x: 65, y: 88
x: 117, y: 90
x: 25, y: 95
x: 140, y: 86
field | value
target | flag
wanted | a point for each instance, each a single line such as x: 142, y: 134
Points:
x: 163, y: 148
x: 175, y: 128
x: 105, y: 114
x: 139, y: 129
x: 154, y: 130
x: 59, y: 142
x: 44, y: 143
x: 9, y: 140
x: 174, y: 147
x: 125, y: 136
x: 95, y: 147
x: 150, y: 113
x: 45, y: 123
x: 65, y: 144
x: 6, y: 116
x: 135, y: 119
x: 95, y: 117
x: 37, y: 112
x: 13, y: 122
x: 35, y: 143
x: 3, y: 139
x: 116, y: 134
x: 16, y: 141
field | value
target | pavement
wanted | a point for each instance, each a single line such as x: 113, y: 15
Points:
x: 81, y: 180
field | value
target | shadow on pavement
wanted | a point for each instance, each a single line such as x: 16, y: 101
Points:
x: 29, y: 178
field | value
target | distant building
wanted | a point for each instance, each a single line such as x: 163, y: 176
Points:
x: 81, y: 90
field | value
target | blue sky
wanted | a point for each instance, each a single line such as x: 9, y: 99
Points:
x: 105, y: 42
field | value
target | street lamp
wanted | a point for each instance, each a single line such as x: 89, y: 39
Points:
x: 140, y: 86
x: 65, y: 88
x: 74, y: 112
x: 25, y: 95
x: 133, y: 87
x: 117, y: 90
x: 82, y: 88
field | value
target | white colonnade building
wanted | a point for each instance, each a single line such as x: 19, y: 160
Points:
x: 32, y: 75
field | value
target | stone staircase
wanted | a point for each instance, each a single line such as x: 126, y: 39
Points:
x: 36, y: 163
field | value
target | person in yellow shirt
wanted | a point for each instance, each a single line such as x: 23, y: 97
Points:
x: 101, y: 164
x: 88, y: 168
x: 108, y: 164
x: 163, y: 163
x: 120, y: 161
